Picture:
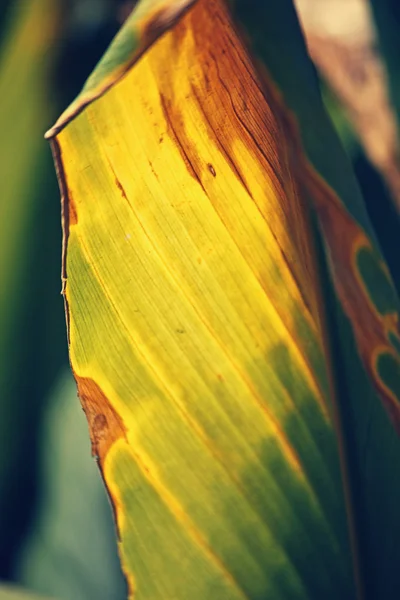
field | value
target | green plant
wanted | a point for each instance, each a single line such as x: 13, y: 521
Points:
x: 232, y: 324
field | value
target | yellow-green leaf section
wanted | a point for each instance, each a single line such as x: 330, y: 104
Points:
x: 194, y: 328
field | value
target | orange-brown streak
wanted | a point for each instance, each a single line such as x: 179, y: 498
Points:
x: 105, y: 424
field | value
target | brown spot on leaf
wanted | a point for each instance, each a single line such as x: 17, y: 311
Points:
x: 100, y: 424
x: 211, y: 169
x: 120, y: 187
x: 72, y: 214
x: 105, y: 424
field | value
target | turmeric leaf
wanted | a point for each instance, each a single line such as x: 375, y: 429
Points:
x: 194, y: 197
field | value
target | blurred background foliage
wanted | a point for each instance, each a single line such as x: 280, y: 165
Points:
x: 57, y: 535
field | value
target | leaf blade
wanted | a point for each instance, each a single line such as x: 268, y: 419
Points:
x: 156, y: 284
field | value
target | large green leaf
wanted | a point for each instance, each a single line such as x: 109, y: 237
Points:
x: 213, y: 233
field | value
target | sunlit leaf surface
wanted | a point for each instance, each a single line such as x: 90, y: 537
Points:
x: 195, y: 315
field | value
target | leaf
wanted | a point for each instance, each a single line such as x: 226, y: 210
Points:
x: 195, y: 303
x: 342, y: 43
x: 387, y: 19
x: 341, y: 40
x: 13, y: 593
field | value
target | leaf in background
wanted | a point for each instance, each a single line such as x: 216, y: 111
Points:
x: 71, y: 552
x: 14, y: 593
x: 341, y: 40
x: 387, y: 20
x: 195, y: 309
x: 31, y: 318
x: 22, y: 68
